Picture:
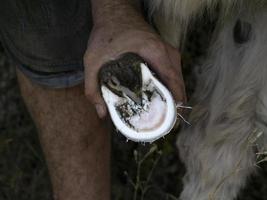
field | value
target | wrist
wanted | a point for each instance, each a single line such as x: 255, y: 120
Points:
x: 116, y: 12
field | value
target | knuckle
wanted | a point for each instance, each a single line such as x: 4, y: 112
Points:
x: 156, y: 45
x: 181, y: 85
x: 178, y: 56
x: 160, y: 50
x: 175, y: 52
x: 89, y: 95
x: 86, y: 60
x: 152, y: 44
x: 173, y: 78
x: 170, y: 73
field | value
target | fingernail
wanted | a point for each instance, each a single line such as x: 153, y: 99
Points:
x: 100, y: 110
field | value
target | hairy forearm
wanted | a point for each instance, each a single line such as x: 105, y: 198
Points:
x: 110, y: 10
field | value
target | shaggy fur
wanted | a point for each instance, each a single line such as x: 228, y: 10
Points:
x: 172, y: 17
x: 230, y: 100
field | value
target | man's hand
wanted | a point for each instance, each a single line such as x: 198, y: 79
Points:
x: 120, y: 29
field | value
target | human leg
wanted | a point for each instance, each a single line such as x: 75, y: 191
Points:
x: 76, y: 143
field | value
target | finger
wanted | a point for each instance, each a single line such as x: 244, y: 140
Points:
x: 92, y: 88
x: 160, y: 61
x: 175, y: 59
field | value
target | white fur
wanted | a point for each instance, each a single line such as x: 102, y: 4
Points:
x: 172, y: 17
x: 173, y: 9
x: 230, y: 101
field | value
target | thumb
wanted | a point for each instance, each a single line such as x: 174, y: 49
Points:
x: 92, y: 88
x: 96, y: 99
